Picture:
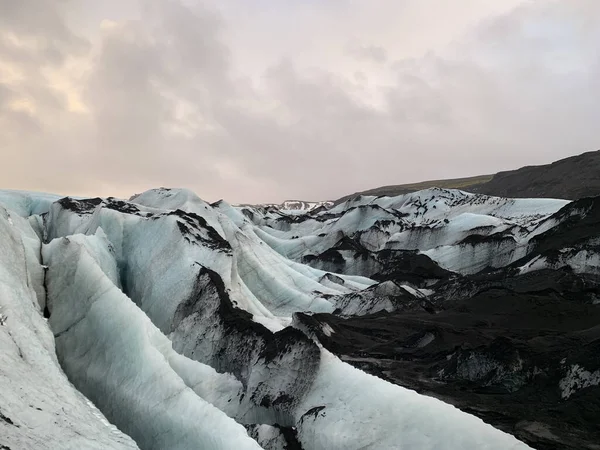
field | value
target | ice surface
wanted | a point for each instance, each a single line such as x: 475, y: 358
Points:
x: 341, y: 414
x: 39, y: 408
x: 174, y: 316
x: 119, y: 359
x: 26, y: 203
x: 434, y: 221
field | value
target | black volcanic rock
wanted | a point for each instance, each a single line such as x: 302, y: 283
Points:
x: 578, y: 222
x: 409, y: 266
x: 227, y: 338
x: 500, y: 346
x: 79, y: 206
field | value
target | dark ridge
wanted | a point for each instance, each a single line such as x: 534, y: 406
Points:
x: 348, y: 243
x: 289, y: 434
x: 579, y: 221
x: 121, y: 206
x: 283, y: 342
x: 332, y: 278
x: 477, y: 239
x: 570, y: 178
x: 334, y: 258
x: 291, y: 438
x: 366, y: 209
x: 248, y: 213
x: 238, y: 344
x: 232, y: 317
x: 79, y: 206
x: 296, y: 218
x: 330, y: 256
x: 313, y: 412
x: 395, y: 190
x: 192, y: 223
x: 408, y: 266
x: 319, y: 210
x: 564, y: 282
x: 377, y: 297
x: 8, y: 420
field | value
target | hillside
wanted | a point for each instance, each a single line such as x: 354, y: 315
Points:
x: 570, y: 178
x: 401, y: 189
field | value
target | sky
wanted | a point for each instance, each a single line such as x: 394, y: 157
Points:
x: 265, y: 100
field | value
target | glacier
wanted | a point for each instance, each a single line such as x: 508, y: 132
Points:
x: 188, y: 324
x: 39, y: 407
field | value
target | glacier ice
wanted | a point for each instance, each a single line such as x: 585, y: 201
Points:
x: 341, y: 414
x: 120, y: 360
x: 39, y: 408
x: 177, y: 317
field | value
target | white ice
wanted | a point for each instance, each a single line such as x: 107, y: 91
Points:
x: 121, y: 361
x: 386, y: 416
x: 39, y: 407
x: 115, y: 281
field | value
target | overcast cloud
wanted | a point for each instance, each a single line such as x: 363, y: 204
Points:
x: 256, y: 101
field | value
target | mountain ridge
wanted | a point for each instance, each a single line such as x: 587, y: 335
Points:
x: 569, y: 178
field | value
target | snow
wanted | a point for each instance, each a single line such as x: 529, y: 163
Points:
x: 294, y: 206
x: 119, y: 275
x: 579, y: 260
x: 348, y: 416
x: 327, y: 330
x: 25, y: 203
x: 473, y: 258
x: 578, y: 378
x: 119, y: 359
x: 39, y: 408
x: 433, y: 221
x: 269, y: 437
x: 183, y: 199
x: 261, y: 281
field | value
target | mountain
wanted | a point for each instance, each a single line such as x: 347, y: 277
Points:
x: 294, y: 205
x: 164, y: 321
x: 570, y: 178
x: 400, y: 189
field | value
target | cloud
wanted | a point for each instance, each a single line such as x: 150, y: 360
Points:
x: 177, y: 95
x: 34, y: 42
x: 372, y: 53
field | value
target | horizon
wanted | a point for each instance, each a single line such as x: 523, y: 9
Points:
x: 333, y: 200
x: 262, y: 103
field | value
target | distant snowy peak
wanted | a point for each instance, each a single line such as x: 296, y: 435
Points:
x: 296, y: 205
x: 304, y: 206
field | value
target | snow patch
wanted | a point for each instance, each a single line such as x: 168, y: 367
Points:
x: 578, y: 378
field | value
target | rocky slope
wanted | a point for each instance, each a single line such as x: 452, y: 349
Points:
x: 571, y: 178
